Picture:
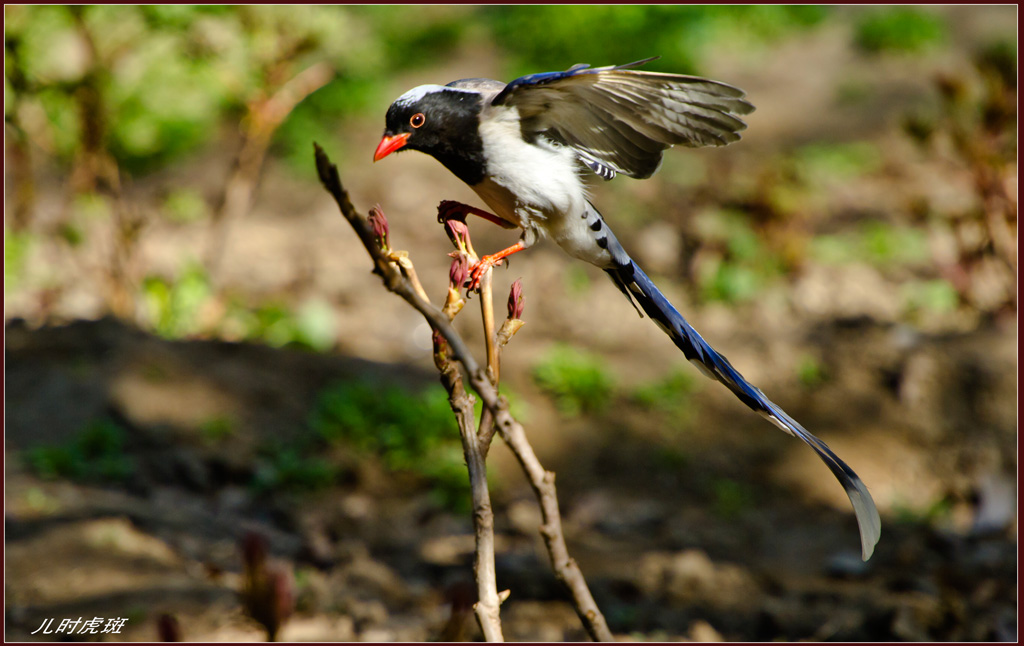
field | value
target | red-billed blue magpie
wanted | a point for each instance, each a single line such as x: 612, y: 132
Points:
x: 524, y: 147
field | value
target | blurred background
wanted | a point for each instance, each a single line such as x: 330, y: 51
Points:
x: 220, y: 426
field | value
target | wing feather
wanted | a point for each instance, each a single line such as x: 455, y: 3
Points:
x: 624, y: 119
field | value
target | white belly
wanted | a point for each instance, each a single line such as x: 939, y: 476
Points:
x: 537, y: 188
x: 526, y: 182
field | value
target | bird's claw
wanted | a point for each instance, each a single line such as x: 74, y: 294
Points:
x: 477, y: 271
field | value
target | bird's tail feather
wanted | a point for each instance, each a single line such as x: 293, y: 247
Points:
x: 632, y: 280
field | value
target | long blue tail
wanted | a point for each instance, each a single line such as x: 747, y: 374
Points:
x: 635, y: 283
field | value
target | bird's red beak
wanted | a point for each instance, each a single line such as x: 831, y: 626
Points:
x: 389, y: 145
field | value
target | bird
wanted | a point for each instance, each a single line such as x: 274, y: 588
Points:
x: 526, y: 147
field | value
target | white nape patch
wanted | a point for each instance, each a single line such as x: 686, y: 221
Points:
x: 417, y: 93
x: 414, y: 95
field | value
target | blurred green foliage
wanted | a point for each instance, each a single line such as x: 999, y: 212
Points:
x: 217, y: 428
x: 830, y: 162
x: 880, y: 243
x: 924, y: 298
x: 161, y: 96
x: 731, y: 497
x: 900, y: 29
x: 287, y: 468
x: 406, y: 431
x: 517, y: 405
x: 174, y: 306
x: 810, y: 372
x: 184, y: 205
x: 577, y: 381
x: 936, y: 512
x: 550, y: 37
x: 737, y: 264
x: 310, y: 325
x: 671, y: 459
x: 16, y: 247
x: 671, y: 396
x: 165, y: 79
x: 804, y: 179
x: 40, y: 501
x: 95, y: 454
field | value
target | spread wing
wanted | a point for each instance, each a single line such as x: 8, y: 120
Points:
x: 621, y: 120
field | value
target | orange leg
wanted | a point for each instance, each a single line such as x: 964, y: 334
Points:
x: 449, y: 209
x: 491, y: 260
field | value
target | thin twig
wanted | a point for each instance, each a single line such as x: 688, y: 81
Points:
x: 486, y: 431
x: 481, y: 443
x: 565, y: 567
x: 512, y: 432
x: 487, y: 311
x: 488, y: 603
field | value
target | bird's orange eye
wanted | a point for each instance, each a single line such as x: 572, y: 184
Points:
x: 417, y: 120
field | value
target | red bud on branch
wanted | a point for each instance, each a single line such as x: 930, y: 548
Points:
x: 515, y: 312
x: 458, y: 232
x: 380, y: 226
x: 515, y: 300
x: 459, y: 272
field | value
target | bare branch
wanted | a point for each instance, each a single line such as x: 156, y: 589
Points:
x: 488, y: 602
x: 486, y: 431
x: 566, y: 568
x: 400, y: 277
x: 542, y: 481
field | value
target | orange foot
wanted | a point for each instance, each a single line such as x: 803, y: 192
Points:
x: 482, y: 266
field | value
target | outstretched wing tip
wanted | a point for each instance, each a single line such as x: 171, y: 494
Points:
x: 642, y: 61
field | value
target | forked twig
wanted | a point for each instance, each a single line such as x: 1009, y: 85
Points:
x: 542, y: 481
